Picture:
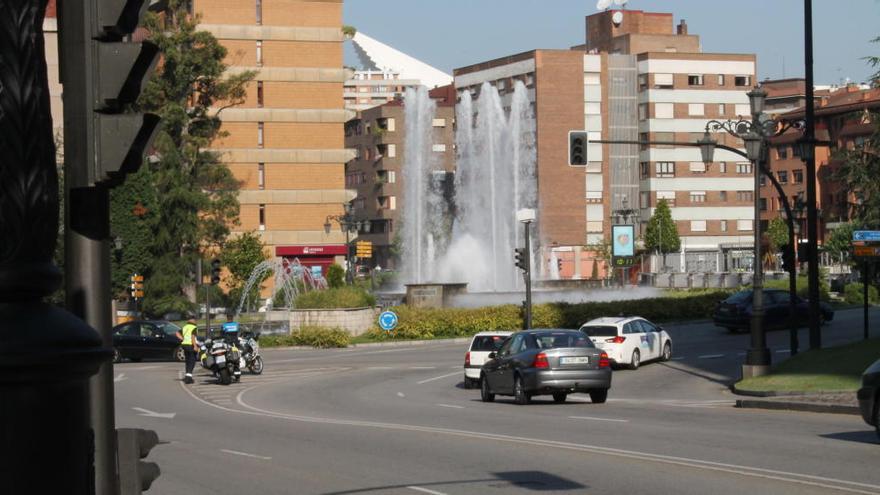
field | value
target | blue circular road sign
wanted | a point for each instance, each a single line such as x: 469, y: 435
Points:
x: 388, y: 320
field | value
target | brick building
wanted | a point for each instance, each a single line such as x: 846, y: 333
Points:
x: 286, y: 142
x: 378, y: 137
x: 641, y: 78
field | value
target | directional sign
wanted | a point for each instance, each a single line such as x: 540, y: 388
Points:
x: 866, y: 235
x: 388, y: 320
x: 866, y: 251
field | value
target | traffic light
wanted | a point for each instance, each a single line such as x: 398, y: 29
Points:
x: 803, y: 252
x: 137, y: 286
x: 522, y: 259
x: 132, y: 445
x: 215, y: 271
x: 787, y: 261
x: 559, y: 264
x: 102, y: 75
x: 577, y: 148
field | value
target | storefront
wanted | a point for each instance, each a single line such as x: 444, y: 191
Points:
x: 315, y: 258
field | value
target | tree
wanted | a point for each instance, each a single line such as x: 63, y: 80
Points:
x: 777, y: 233
x: 661, y: 235
x: 839, y: 243
x: 133, y: 216
x: 335, y: 276
x: 196, y: 193
x: 240, y: 256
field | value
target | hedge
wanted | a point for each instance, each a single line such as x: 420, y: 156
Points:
x: 341, y: 297
x: 853, y: 294
x: 320, y: 337
x: 428, y: 323
x: 803, y: 285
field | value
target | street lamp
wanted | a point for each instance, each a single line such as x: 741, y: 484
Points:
x: 348, y: 225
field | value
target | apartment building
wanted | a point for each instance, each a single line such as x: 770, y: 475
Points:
x: 639, y: 79
x: 371, y: 88
x: 843, y: 121
x: 285, y: 143
x: 378, y: 137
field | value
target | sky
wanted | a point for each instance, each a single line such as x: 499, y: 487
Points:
x: 456, y: 33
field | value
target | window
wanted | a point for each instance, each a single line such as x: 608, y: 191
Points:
x: 743, y: 225
x: 696, y: 109
x: 592, y: 108
x: 762, y: 203
x: 391, y: 150
x: 664, y: 169
x: 796, y: 151
x: 722, y: 195
x: 763, y: 180
x: 744, y: 168
x: 721, y: 79
x: 745, y: 196
x: 782, y: 152
x: 259, y: 11
x: 663, y: 110
x: 643, y: 82
x: 698, y: 196
x: 643, y: 111
x: 664, y: 137
x: 594, y: 227
x: 259, y: 134
x: 669, y: 196
x: 722, y: 110
x: 643, y: 170
x: 722, y: 167
x: 261, y: 175
x: 742, y: 81
x: 439, y: 148
x: 783, y: 176
x: 742, y: 109
x: 797, y: 176
x: 663, y: 80
x: 723, y: 226
x: 592, y: 79
x: 698, y: 168
x: 439, y: 123
x: 698, y: 225
x: 263, y: 217
x: 644, y: 199
x: 259, y: 52
x: 695, y: 80
x: 260, y: 94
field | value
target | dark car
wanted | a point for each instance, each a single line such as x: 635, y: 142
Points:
x: 735, y: 312
x: 540, y: 362
x: 152, y: 339
x: 869, y: 396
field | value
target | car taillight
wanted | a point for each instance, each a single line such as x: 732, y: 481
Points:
x: 541, y: 361
x: 616, y: 340
x: 467, y: 359
x: 603, y: 360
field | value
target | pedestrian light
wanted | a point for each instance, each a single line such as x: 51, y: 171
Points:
x: 215, y: 271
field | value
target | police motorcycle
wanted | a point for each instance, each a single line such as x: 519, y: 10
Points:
x: 250, y: 352
x: 222, y: 357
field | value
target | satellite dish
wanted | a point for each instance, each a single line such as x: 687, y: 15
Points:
x: 603, y: 4
x: 617, y: 18
x: 621, y: 2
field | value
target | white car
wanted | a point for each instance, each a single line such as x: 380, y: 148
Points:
x: 481, y: 345
x: 629, y: 341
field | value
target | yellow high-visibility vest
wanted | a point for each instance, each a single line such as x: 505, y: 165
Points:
x: 187, y: 332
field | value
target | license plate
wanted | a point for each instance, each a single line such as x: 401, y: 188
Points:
x: 574, y: 360
x: 220, y: 359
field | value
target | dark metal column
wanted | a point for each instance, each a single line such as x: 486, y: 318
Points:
x: 46, y: 354
x: 758, y: 356
x: 527, y: 275
x: 809, y: 142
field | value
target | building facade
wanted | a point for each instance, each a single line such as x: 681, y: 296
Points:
x: 378, y: 138
x: 286, y: 142
x: 371, y: 88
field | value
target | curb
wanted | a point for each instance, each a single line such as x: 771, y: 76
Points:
x: 368, y: 345
x: 773, y: 393
x: 797, y: 406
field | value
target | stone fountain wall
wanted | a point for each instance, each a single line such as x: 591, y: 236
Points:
x: 355, y: 321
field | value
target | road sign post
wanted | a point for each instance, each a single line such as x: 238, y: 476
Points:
x: 623, y: 248
x: 388, y: 320
x: 866, y: 248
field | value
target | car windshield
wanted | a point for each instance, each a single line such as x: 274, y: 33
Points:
x: 600, y: 331
x: 555, y: 340
x: 487, y: 343
x: 169, y: 328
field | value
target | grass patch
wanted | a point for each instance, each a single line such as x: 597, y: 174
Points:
x: 836, y: 368
x: 318, y: 337
x: 340, y: 297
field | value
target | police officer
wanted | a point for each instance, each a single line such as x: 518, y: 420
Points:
x: 231, y: 331
x: 190, y: 347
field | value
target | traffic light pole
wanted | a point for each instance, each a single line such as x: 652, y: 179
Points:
x: 528, y: 277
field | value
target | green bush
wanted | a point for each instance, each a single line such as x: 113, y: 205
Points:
x: 341, y: 297
x: 853, y: 294
x: 803, y: 286
x: 428, y: 323
x: 335, y: 276
x: 320, y: 337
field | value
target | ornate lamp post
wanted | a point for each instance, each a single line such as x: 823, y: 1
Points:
x: 348, y: 224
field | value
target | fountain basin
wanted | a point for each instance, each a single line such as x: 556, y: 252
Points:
x: 433, y: 295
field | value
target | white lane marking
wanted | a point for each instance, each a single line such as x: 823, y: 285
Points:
x: 380, y: 368
x: 599, y: 419
x: 245, y: 454
x: 351, y: 353
x: 438, y: 378
x: 401, y: 394
x: 450, y: 406
x: 710, y: 356
x: 153, y: 414
x: 422, y: 367
x: 425, y: 490
x: 748, y: 471
x: 120, y: 377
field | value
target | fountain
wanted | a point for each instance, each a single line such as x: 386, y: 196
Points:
x: 291, y: 279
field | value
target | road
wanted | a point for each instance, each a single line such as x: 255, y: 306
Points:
x: 396, y: 420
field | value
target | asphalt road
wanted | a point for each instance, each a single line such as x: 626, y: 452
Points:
x: 396, y: 420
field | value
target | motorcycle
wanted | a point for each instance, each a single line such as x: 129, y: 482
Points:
x: 222, y: 359
x: 250, y: 355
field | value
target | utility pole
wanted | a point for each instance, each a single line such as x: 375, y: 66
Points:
x: 809, y: 155
x: 101, y: 74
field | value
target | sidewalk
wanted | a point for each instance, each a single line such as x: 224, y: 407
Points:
x: 832, y: 402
